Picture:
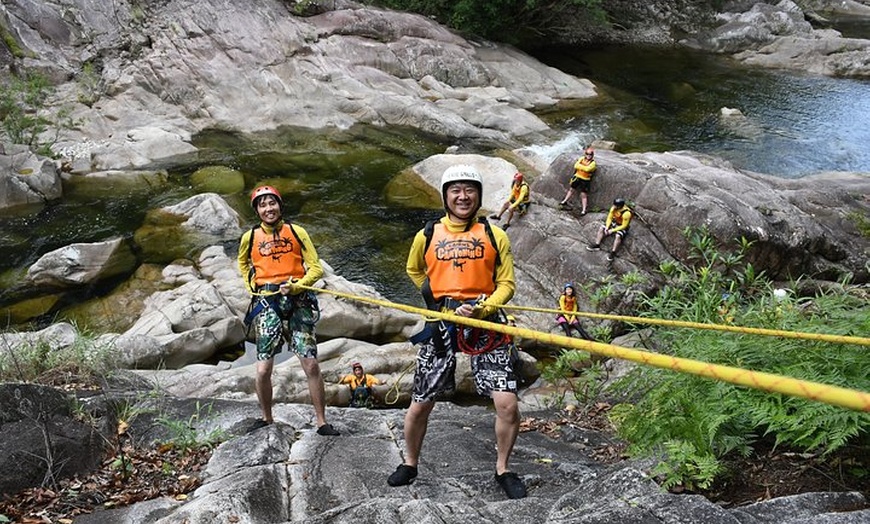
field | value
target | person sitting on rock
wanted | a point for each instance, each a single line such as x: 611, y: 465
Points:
x: 360, y: 383
x: 568, y: 304
x: 581, y: 181
x: 518, y: 201
x: 616, y: 224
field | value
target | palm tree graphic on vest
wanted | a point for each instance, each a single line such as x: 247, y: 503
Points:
x: 459, y: 251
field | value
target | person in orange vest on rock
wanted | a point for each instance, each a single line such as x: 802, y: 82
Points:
x: 275, y: 258
x: 616, y: 225
x: 360, y: 383
x: 568, y: 305
x: 464, y: 268
x: 581, y: 181
x: 518, y: 201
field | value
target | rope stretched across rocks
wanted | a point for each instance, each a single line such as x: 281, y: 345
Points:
x: 833, y: 395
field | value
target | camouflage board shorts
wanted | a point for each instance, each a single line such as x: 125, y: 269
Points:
x: 301, y: 313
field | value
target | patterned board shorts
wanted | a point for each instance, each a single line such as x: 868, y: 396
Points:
x: 492, y: 371
x: 301, y: 312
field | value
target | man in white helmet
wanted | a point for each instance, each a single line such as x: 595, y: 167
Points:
x: 463, y: 266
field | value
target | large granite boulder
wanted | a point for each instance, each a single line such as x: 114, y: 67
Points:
x: 170, y: 69
x: 26, y: 178
x: 41, y: 438
x: 287, y: 473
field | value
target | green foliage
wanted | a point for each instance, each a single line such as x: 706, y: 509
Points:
x: 89, y: 85
x: 504, y: 20
x: 184, y: 435
x: 861, y: 222
x: 576, y: 373
x: 598, y: 292
x: 85, y: 357
x: 24, y: 116
x: 690, y: 422
x: 20, y: 102
x: 12, y: 45
x: 632, y: 277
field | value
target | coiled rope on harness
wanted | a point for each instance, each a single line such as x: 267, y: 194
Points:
x: 834, y: 395
x: 467, y: 340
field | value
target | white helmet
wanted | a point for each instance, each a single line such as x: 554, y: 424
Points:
x: 461, y: 173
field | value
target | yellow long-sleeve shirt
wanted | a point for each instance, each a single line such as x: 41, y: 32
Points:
x: 504, y: 274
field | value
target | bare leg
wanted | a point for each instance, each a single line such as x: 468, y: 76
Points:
x: 315, y: 388
x: 600, y: 236
x: 568, y: 196
x: 500, y: 213
x: 263, y: 387
x: 510, y: 216
x: 507, y: 427
x: 617, y: 241
x: 583, y: 202
x: 416, y: 422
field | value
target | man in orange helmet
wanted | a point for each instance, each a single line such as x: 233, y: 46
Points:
x: 518, y: 201
x: 275, y: 259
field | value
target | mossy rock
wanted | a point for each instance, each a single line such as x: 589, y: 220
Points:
x: 218, y: 179
x: 28, y: 309
x: 115, y: 184
x: 410, y: 190
x: 119, y: 310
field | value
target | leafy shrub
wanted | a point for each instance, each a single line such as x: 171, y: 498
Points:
x: 691, y: 422
x: 44, y: 362
x: 24, y: 116
x: 503, y: 20
x: 574, y: 372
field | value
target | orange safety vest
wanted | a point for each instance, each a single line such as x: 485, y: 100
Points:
x: 567, y: 303
x: 516, y: 189
x: 276, y: 257
x: 579, y: 173
x: 461, y: 265
x: 616, y: 215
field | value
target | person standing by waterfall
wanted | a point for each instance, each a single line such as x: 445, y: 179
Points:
x: 581, y: 181
x: 275, y: 258
x: 464, y: 267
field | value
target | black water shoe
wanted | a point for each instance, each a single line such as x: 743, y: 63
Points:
x: 403, y: 475
x: 257, y: 424
x: 328, y: 430
x: 593, y: 247
x: 512, y: 485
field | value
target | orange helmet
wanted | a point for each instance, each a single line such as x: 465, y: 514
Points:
x: 518, y: 177
x: 263, y: 191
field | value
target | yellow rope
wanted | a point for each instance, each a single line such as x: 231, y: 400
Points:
x: 395, y: 386
x: 834, y: 395
x: 838, y: 339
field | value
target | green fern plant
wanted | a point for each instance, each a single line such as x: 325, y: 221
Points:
x: 691, y: 423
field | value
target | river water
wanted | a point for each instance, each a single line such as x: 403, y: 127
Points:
x: 657, y: 100
x: 651, y: 100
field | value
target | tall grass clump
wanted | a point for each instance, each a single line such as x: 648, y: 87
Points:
x: 52, y: 362
x: 25, y: 116
x: 689, y: 423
